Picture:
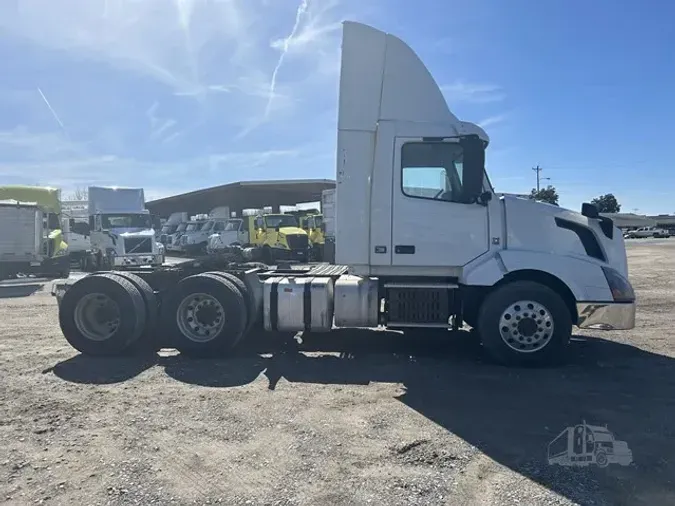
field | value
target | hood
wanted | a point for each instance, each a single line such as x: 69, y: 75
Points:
x: 537, y: 226
x: 292, y: 231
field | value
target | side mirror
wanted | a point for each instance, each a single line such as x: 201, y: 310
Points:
x: 473, y: 168
x: 323, y: 228
x: 277, y: 228
x: 589, y: 210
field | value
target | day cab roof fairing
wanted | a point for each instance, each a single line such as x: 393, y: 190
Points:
x: 386, y: 92
x: 382, y: 79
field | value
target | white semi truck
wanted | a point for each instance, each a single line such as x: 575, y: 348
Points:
x: 521, y: 273
x: 121, y: 229
x: 76, y: 228
x: 195, y: 241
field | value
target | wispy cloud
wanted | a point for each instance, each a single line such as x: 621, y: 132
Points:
x: 461, y: 91
x: 302, y: 8
x: 492, y: 120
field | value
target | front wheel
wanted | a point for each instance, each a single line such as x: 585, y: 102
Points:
x: 525, y: 323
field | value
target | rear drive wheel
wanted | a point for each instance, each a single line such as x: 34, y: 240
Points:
x: 102, y: 315
x: 205, y: 315
x: 147, y: 343
x: 246, y: 293
x: 525, y: 323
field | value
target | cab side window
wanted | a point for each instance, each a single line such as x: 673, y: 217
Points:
x: 218, y: 226
x: 432, y: 170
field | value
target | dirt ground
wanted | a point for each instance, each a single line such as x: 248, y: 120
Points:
x: 354, y: 418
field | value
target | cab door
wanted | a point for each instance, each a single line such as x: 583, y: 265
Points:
x: 258, y: 236
x: 431, y: 226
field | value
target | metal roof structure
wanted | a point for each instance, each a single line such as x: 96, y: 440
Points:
x: 630, y: 220
x: 243, y: 195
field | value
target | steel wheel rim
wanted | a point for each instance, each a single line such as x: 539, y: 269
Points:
x: 526, y: 326
x: 200, y: 317
x: 97, y: 316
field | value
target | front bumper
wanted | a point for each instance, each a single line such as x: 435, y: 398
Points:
x: 136, y: 260
x: 606, y: 315
x: 299, y: 255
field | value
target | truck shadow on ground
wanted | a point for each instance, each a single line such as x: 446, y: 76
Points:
x: 9, y: 291
x: 508, y: 414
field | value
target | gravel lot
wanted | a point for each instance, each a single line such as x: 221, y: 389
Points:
x: 352, y: 418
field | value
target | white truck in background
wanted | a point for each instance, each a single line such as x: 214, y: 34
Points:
x: 75, y: 214
x: 170, y: 227
x: 121, y: 229
x: 195, y: 241
x: 520, y: 272
x: 234, y: 232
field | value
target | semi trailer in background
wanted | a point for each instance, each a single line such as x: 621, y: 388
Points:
x: 53, y: 252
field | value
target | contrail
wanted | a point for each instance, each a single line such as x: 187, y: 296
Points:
x: 302, y: 8
x: 56, y: 116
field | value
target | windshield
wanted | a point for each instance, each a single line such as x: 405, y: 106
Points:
x: 109, y: 221
x: 169, y: 229
x: 182, y: 227
x: 53, y: 221
x: 281, y: 220
x: 207, y: 226
x: 232, y: 225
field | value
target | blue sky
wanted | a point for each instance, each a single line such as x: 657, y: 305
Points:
x: 175, y: 95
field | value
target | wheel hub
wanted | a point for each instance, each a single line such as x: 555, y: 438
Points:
x: 526, y: 326
x: 200, y: 317
x: 97, y: 316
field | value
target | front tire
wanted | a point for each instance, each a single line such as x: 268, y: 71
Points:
x: 525, y: 323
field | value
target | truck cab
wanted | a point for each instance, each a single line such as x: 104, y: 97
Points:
x: 173, y: 239
x: 234, y: 232
x: 313, y: 225
x: 122, y: 233
x: 280, y: 237
x: 196, y: 241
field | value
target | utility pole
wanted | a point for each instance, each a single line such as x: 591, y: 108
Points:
x: 538, y: 170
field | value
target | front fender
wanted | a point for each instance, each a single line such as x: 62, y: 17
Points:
x: 585, y: 279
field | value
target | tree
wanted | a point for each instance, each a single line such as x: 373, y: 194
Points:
x: 547, y: 194
x: 607, y: 203
x: 79, y: 194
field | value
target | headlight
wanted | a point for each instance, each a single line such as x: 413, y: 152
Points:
x: 621, y: 289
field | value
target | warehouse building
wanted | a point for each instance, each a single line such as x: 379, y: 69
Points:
x: 631, y: 221
x: 243, y: 195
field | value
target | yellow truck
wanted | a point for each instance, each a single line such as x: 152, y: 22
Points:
x: 280, y: 237
x: 51, y: 255
x: 313, y: 225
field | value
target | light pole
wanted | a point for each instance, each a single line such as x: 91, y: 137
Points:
x: 538, y: 170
